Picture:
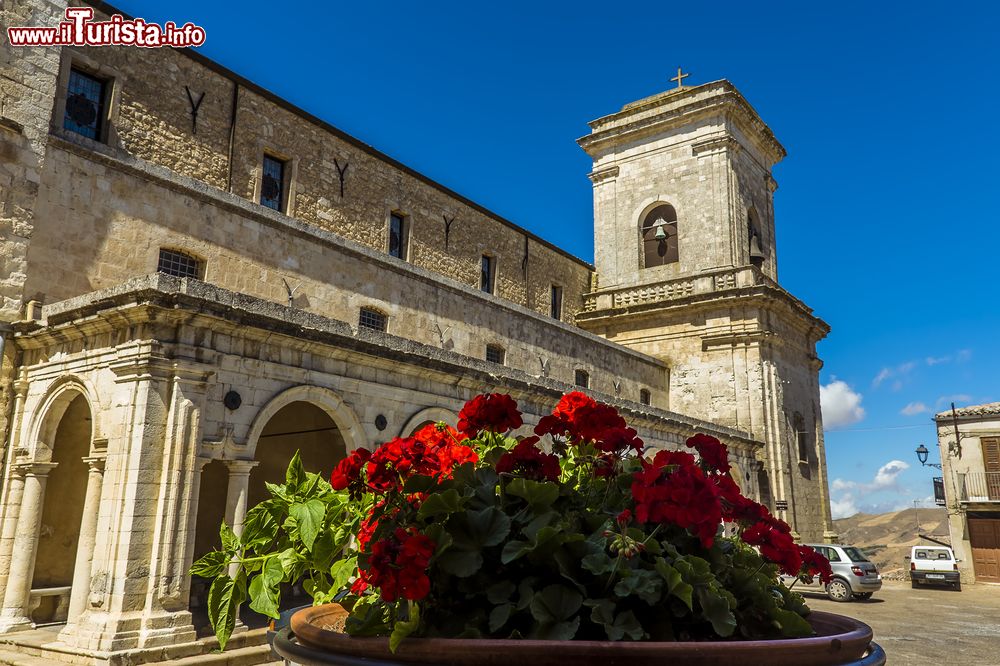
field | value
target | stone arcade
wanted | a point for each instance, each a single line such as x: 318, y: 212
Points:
x: 183, y: 308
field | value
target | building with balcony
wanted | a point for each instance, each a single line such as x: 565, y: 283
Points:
x: 969, y: 441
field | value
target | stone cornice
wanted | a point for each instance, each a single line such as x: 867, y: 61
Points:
x: 603, y: 175
x: 677, y: 108
x: 164, y: 301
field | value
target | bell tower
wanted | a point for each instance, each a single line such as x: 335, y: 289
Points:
x: 686, y: 262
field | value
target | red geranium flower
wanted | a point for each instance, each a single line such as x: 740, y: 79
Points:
x: 347, y: 473
x: 528, y: 461
x: 713, y: 452
x: 673, y: 490
x: 495, y: 412
x: 397, y: 566
x: 815, y: 564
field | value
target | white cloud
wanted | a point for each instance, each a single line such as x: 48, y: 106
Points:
x: 946, y: 399
x: 850, y: 497
x: 841, y: 405
x: 887, y: 475
x: 963, y: 355
x: 914, y: 408
x: 843, y: 508
x: 938, y: 360
x: 883, y: 375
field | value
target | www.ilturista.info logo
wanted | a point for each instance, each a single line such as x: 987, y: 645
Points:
x: 79, y: 30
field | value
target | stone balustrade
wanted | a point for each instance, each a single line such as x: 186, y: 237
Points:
x: 669, y: 290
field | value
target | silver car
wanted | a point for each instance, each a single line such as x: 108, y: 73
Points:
x: 854, y: 576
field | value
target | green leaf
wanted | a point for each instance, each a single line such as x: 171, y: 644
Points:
x: 488, y: 527
x: 459, y: 562
x: 538, y: 494
x: 309, y: 518
x: 555, y: 603
x: 792, y: 624
x: 211, y: 564
x: 439, y: 504
x: 404, y: 628
x: 642, y: 583
x: 598, y: 563
x: 624, y: 625
x: 224, y: 598
x: 230, y: 542
x: 715, y: 607
x: 512, y: 550
x: 264, y: 599
x: 419, y: 484
x: 674, y: 585
x: 273, y: 572
x: 341, y: 571
x: 260, y: 527
x: 555, y: 631
x: 499, y: 616
x: 500, y: 592
x: 295, y: 474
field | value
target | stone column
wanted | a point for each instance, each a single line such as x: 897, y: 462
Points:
x: 239, y: 486
x: 13, y: 616
x: 88, y: 538
x: 15, y: 489
x: 236, y: 498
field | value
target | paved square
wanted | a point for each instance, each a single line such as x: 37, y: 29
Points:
x: 929, y: 625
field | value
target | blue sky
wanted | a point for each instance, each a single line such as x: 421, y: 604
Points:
x: 887, y: 219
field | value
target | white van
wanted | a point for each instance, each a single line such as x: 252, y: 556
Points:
x: 934, y: 565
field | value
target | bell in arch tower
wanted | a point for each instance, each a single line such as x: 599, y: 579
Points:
x: 686, y: 263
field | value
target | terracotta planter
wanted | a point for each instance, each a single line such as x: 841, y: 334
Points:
x: 315, y: 638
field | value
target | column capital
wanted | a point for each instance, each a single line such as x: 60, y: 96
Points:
x: 95, y: 463
x: 237, y: 467
x: 32, y: 468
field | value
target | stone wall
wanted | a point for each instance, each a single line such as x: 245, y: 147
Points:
x: 94, y: 232
x: 152, y: 120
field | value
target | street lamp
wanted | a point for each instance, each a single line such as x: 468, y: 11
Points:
x: 922, y: 457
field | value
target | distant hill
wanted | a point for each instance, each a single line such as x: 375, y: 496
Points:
x: 887, y: 537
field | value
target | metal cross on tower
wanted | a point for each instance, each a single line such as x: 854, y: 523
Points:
x: 680, y: 78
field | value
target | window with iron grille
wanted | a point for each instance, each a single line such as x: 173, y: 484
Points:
x: 179, y: 264
x: 487, y: 277
x: 84, y: 105
x: 495, y: 354
x: 272, y: 184
x: 398, y: 236
x: 644, y: 396
x: 583, y: 379
x: 373, y: 319
x: 556, y: 302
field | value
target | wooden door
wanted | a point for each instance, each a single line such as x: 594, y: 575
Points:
x: 984, y: 535
x: 991, y: 465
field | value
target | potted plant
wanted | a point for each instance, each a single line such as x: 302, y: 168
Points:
x: 456, y: 544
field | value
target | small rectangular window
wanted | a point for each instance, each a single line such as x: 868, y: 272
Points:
x: 644, y: 396
x: 178, y: 264
x: 272, y: 184
x: 487, y: 277
x: 582, y: 379
x: 557, y: 294
x: 398, y: 236
x: 495, y: 354
x: 84, y: 105
x: 373, y: 319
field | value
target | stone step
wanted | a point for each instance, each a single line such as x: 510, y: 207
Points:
x: 248, y: 656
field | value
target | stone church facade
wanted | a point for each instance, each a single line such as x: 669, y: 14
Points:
x: 198, y: 279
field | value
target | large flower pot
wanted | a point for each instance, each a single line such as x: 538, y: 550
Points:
x: 315, y: 637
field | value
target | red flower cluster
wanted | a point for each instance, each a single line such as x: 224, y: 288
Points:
x: 495, y: 412
x: 714, y: 454
x: 398, y: 566
x: 580, y: 418
x: 435, y: 450
x: 814, y: 564
x: 528, y: 461
x: 774, y: 539
x: 673, y: 489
